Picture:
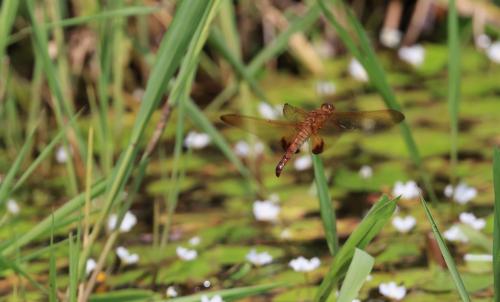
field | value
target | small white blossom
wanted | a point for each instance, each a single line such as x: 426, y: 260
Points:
x: 186, y: 254
x: 61, y: 155
x: 171, y: 292
x: 493, y: 52
x: 455, y: 234
x: 392, y: 290
x: 390, y: 37
x: 259, y: 259
x: 357, y: 71
x: 413, y: 55
x: 266, y: 210
x: 195, y: 140
x: 483, y: 41
x: 461, y: 194
x: 471, y: 220
x: 125, y: 256
x: 404, y: 225
x: 13, y: 207
x: 366, y: 172
x: 243, y: 149
x: 270, y: 112
x: 129, y: 220
x: 303, y: 162
x: 194, y: 241
x: 90, y: 265
x: 325, y: 88
x: 138, y: 94
x: 408, y: 190
x: 302, y: 264
x: 478, y: 257
x: 215, y: 298
x: 207, y: 283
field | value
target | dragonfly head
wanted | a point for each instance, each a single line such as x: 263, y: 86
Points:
x: 328, y: 107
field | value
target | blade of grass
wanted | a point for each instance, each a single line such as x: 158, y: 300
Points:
x: 453, y: 83
x: 446, y: 255
x: 366, y: 230
x: 52, y: 267
x: 13, y: 265
x: 74, y: 252
x: 496, y: 223
x: 365, y: 54
x: 7, y: 16
x: 186, y: 20
x: 359, y: 269
x: 325, y: 205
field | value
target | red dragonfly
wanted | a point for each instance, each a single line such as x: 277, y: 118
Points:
x: 301, y: 125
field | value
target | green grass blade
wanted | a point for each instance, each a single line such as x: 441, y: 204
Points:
x: 6, y: 183
x: 496, y: 223
x: 367, y: 229
x: 52, y: 267
x: 188, y: 17
x: 453, y: 82
x: 359, y: 269
x: 13, y: 265
x: 446, y: 255
x: 7, y: 15
x: 74, y: 248
x: 325, y: 205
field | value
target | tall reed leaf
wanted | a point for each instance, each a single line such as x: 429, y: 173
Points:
x: 359, y: 269
x: 7, y: 15
x: 496, y: 226
x: 187, y: 18
x: 453, y: 82
x: 446, y: 255
x: 365, y: 54
x: 367, y: 229
x: 230, y: 294
x: 325, y: 205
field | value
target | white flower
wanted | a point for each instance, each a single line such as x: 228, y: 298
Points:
x: 301, y: 264
x: 455, y: 234
x: 390, y: 37
x: 194, y: 241
x: 61, y: 155
x: 207, y: 283
x: 303, y: 162
x: 461, y: 194
x: 471, y: 220
x: 413, y: 55
x: 186, y: 254
x: 482, y: 41
x: 493, y: 52
x: 266, y: 210
x: 357, y: 71
x: 404, y: 225
x: 478, y: 257
x: 195, y: 140
x: 259, y: 258
x: 392, y: 290
x: 243, y: 149
x: 90, y: 265
x: 215, y: 298
x: 366, y: 172
x: 129, y: 220
x: 325, y: 88
x: 13, y: 207
x: 269, y: 112
x: 408, y: 190
x: 125, y: 256
x: 171, y: 292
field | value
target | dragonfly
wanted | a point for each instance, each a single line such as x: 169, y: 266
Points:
x: 316, y: 125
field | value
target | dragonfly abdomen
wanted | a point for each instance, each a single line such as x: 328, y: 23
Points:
x: 299, y: 139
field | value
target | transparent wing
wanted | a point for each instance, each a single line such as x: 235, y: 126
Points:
x: 294, y: 114
x: 261, y: 127
x: 361, y: 120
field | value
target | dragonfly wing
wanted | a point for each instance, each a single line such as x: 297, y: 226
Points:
x: 317, y: 144
x: 294, y: 114
x: 261, y: 127
x: 361, y: 120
